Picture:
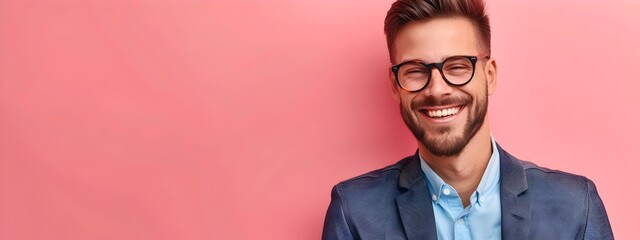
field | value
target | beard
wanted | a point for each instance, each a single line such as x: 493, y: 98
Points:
x: 446, y: 143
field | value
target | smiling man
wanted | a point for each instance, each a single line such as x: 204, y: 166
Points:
x: 460, y: 184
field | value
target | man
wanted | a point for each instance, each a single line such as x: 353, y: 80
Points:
x: 460, y: 184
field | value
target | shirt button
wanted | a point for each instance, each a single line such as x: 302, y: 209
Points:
x: 434, y: 197
x: 482, y: 199
x: 460, y: 221
x: 446, y: 191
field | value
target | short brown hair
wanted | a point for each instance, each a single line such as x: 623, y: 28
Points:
x: 403, y: 12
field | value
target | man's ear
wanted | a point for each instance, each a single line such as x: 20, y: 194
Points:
x: 394, y: 86
x: 491, y: 71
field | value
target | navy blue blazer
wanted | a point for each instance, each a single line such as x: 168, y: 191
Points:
x: 536, y: 202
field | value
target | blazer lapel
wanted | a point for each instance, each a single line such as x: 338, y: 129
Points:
x: 516, y: 211
x: 414, y: 205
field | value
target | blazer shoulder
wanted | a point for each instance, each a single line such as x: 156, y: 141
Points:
x: 376, y: 178
x: 543, y: 176
x: 533, y: 168
x: 350, y: 213
x: 383, y: 173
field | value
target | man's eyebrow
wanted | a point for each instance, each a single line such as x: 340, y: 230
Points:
x: 422, y: 60
x: 411, y: 60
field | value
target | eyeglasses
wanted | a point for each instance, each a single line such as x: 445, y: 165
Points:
x: 415, y: 75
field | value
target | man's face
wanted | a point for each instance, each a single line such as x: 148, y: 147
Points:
x: 464, y: 107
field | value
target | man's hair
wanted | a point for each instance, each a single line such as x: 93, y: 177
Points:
x: 404, y: 12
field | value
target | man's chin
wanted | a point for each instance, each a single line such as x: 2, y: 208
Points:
x: 444, y: 145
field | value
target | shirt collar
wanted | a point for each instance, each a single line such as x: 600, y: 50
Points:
x: 489, y: 180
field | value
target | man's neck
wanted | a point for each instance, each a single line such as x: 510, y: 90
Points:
x: 463, y: 172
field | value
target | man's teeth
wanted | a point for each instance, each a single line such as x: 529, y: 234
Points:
x: 443, y: 112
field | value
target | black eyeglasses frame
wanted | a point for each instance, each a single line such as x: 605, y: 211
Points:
x: 439, y: 65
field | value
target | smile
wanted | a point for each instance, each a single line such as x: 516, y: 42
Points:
x: 442, y: 113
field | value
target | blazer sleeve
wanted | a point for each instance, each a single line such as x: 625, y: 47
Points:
x: 336, y: 226
x: 598, y: 226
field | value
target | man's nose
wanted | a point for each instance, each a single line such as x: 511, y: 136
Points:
x: 437, y: 85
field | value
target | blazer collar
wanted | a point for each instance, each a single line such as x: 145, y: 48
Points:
x: 416, y: 211
x: 414, y: 205
x: 515, y: 202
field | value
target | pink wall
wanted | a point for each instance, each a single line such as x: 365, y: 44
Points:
x: 217, y: 120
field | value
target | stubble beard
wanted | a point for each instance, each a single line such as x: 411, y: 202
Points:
x: 446, y: 144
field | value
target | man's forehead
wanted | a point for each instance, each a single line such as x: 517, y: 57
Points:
x: 435, y: 40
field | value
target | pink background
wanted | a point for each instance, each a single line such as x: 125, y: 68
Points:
x: 198, y: 119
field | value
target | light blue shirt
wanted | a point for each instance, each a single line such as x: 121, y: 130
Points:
x: 480, y: 220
